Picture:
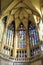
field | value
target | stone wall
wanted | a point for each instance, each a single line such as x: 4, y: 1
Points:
x: 4, y: 61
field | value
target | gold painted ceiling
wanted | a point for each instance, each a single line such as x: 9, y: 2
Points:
x: 23, y: 7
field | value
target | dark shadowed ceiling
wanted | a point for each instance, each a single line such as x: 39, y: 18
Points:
x: 5, y: 4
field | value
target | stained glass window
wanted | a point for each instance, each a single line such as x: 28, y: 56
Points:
x: 10, y: 34
x: 21, y: 41
x: 21, y: 36
x: 33, y: 34
x: 9, y: 38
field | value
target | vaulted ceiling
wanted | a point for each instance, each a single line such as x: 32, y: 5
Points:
x: 21, y: 7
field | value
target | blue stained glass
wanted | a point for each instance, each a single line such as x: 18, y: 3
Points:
x: 21, y: 36
x: 33, y: 35
x: 8, y: 34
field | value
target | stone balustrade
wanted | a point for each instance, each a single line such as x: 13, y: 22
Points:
x: 7, y: 60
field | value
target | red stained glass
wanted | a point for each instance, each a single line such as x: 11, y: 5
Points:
x: 32, y: 35
x: 24, y: 46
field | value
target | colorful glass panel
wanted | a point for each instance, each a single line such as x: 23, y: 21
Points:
x: 33, y: 35
x: 21, y: 37
x: 9, y: 35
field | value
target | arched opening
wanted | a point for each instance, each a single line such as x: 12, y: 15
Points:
x: 21, y: 41
x: 9, y: 39
x: 33, y: 39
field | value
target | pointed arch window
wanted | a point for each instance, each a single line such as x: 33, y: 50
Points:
x: 10, y: 34
x: 34, y: 39
x: 8, y: 39
x: 21, y: 41
x: 21, y: 36
x: 33, y: 34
